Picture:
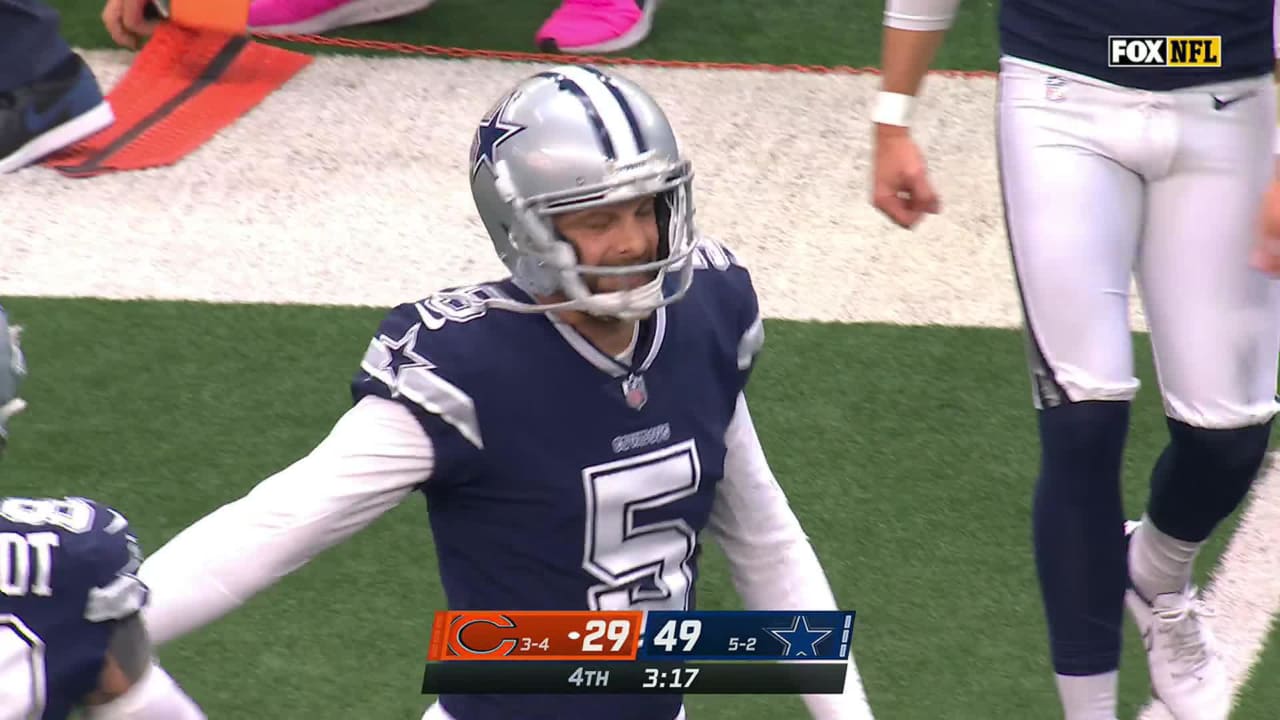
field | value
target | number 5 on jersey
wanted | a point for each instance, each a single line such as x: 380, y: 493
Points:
x: 640, y: 565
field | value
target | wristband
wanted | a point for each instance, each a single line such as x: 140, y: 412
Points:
x: 893, y: 109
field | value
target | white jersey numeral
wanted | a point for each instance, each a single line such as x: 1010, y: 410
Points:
x: 640, y: 565
x: 74, y: 515
x: 22, y: 670
x: 26, y: 563
x: 461, y: 305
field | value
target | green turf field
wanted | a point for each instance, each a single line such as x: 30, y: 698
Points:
x: 907, y: 452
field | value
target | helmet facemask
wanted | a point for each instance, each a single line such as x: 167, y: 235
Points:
x: 547, y: 262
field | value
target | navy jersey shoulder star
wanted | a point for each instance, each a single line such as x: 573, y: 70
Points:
x: 400, y: 355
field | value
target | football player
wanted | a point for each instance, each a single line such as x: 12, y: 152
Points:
x: 70, y: 632
x: 574, y: 428
x: 1114, y: 163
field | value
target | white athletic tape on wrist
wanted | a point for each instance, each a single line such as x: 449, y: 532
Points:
x: 893, y: 109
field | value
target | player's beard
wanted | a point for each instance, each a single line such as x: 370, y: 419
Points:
x: 618, y: 283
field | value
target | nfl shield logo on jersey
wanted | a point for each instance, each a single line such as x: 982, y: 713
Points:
x: 1055, y: 88
x: 634, y: 391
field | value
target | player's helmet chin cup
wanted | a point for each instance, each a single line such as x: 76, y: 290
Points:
x: 569, y: 139
x: 12, y: 369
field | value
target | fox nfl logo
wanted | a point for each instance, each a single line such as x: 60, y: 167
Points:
x: 1164, y: 51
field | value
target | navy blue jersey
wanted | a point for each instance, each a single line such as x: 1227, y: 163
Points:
x: 564, y: 479
x: 66, y: 573
x: 1072, y: 35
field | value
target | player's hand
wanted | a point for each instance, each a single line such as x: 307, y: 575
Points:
x: 900, y: 183
x: 1266, y: 253
x: 127, y: 22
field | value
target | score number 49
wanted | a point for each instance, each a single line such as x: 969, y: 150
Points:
x: 674, y: 632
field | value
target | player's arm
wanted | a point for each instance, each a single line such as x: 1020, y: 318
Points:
x: 376, y: 454
x: 133, y: 686
x: 913, y: 32
x: 772, y: 563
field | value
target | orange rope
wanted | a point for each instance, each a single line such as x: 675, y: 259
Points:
x: 550, y: 58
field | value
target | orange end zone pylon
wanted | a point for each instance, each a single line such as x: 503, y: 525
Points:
x: 192, y: 79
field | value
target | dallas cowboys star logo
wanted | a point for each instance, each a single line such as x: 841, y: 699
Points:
x: 493, y: 131
x: 799, y: 640
x: 401, y: 355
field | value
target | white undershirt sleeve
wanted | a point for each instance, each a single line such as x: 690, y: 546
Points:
x: 374, y: 457
x: 771, y: 561
x: 923, y: 15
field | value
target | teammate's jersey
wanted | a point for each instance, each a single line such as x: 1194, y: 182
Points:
x: 66, y: 572
x: 1072, y: 35
x: 564, y: 479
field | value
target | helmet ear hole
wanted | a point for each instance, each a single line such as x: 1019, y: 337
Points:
x: 662, y: 214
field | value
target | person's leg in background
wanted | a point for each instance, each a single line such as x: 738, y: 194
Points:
x: 31, y: 43
x: 49, y: 99
x: 576, y: 26
x: 1074, y: 235
x: 315, y: 17
x: 596, y: 26
x: 1215, y: 335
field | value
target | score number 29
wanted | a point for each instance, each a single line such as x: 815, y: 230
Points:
x: 674, y: 632
x: 616, y: 631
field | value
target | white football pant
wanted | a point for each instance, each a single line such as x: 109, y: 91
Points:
x: 1102, y: 181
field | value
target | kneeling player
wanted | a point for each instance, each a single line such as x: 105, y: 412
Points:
x: 70, y: 631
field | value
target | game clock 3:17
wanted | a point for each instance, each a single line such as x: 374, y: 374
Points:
x: 629, y: 677
x: 674, y: 678
x: 633, y: 676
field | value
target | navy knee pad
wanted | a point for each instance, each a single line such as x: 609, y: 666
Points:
x: 1202, y: 477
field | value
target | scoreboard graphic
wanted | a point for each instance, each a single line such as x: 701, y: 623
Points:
x: 756, y: 652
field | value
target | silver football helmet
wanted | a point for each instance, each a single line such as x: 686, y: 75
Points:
x: 573, y: 138
x: 13, y: 368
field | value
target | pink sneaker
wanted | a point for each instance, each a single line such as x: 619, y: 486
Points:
x: 596, y: 26
x: 311, y: 17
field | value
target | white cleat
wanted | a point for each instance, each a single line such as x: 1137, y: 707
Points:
x: 1187, y: 673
